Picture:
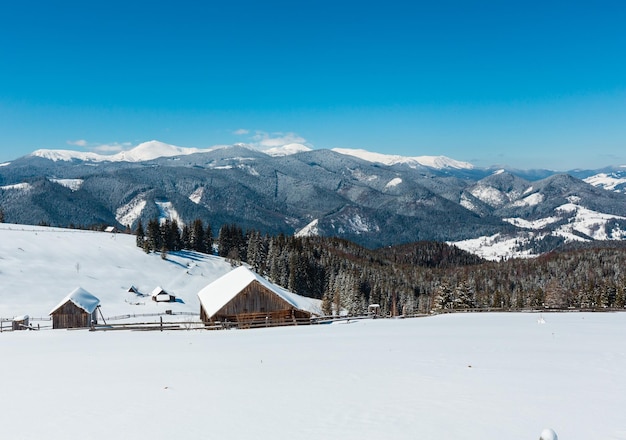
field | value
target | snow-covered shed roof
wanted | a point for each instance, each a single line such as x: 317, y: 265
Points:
x: 81, y: 298
x: 217, y: 294
x: 158, y: 290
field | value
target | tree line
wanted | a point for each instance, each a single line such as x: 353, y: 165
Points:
x: 419, y: 277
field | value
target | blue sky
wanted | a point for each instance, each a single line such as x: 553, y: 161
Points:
x: 526, y: 84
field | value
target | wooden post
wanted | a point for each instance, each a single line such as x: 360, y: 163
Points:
x: 161, y: 318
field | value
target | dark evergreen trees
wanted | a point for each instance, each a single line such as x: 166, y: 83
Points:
x: 140, y: 235
x: 413, y: 278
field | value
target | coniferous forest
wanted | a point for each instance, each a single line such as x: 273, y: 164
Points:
x: 421, y: 277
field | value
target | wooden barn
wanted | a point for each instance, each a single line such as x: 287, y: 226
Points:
x: 244, y: 298
x: 76, y: 310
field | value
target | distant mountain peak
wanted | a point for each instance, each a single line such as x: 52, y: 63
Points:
x: 287, y: 150
x: 437, y: 162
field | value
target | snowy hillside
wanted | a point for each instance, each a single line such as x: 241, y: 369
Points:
x: 40, y: 266
x: 615, y: 181
x: 481, y: 376
x: 573, y: 223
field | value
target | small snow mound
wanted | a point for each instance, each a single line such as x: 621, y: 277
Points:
x: 548, y: 434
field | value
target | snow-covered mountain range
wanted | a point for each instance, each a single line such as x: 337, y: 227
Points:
x: 373, y: 199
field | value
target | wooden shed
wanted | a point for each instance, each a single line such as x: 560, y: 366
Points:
x: 20, y: 323
x: 244, y: 297
x: 76, y: 310
x: 160, y: 295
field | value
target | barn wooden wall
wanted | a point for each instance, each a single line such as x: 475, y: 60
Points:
x: 69, y: 315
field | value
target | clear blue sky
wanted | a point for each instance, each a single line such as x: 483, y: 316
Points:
x: 524, y: 83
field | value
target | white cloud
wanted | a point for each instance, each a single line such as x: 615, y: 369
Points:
x: 263, y: 140
x: 241, y: 132
x: 78, y: 143
x: 114, y: 147
x: 110, y: 148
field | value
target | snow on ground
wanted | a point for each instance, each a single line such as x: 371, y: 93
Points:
x: 589, y: 222
x: 465, y: 376
x: 393, y: 182
x: 17, y: 186
x: 168, y: 212
x: 495, y: 247
x: 73, y: 184
x: 606, y: 181
x: 532, y: 224
x: 130, y: 212
x: 196, y: 196
x: 309, y: 230
x: 489, y: 195
x: 39, y: 266
x: 531, y: 200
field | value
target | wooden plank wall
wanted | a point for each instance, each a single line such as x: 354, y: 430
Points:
x: 71, y: 316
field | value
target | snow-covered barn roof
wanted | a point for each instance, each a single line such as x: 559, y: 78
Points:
x: 81, y: 298
x: 217, y: 294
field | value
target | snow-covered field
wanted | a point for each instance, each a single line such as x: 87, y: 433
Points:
x: 39, y: 266
x: 464, y: 376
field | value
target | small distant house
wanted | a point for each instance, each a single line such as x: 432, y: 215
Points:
x: 160, y: 295
x: 110, y: 229
x: 133, y: 289
x: 373, y: 310
x: 242, y: 296
x: 20, y: 323
x: 76, y: 310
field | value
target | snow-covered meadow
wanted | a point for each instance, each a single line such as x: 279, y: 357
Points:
x: 463, y: 376
x: 39, y: 266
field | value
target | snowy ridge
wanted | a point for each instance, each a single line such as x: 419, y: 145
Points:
x: 287, y: 150
x: 437, y: 162
x: 142, y: 152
